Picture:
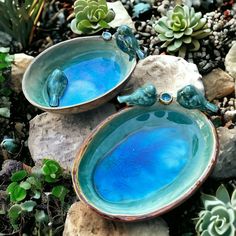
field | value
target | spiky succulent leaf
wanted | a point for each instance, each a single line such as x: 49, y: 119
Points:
x: 183, y: 28
x: 219, y: 215
x: 91, y: 16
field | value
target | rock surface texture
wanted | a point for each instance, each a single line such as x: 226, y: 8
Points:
x: 218, y: 84
x: 21, y: 62
x: 81, y: 221
x: 59, y: 136
x: 122, y: 17
x: 230, y: 61
x: 166, y: 73
x: 226, y: 163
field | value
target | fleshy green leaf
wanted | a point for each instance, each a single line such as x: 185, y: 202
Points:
x: 28, y: 205
x: 14, y: 212
x: 18, y: 194
x: 222, y: 194
x: 11, y: 187
x: 18, y: 176
x: 25, y: 185
x: 41, y: 217
x: 60, y: 192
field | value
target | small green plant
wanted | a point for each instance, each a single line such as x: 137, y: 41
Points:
x: 181, y: 30
x: 91, y: 16
x: 19, y: 18
x: 5, y: 63
x: 28, y: 192
x: 219, y: 214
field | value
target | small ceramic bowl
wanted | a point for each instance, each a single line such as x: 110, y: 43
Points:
x: 96, y: 69
x: 142, y: 162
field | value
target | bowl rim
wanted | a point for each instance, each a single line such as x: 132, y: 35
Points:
x: 86, y: 38
x: 160, y: 211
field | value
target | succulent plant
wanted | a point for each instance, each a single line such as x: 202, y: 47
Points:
x: 181, y: 30
x: 91, y: 16
x: 219, y: 215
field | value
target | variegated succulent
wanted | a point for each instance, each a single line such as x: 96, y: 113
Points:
x: 219, y: 214
x: 181, y: 30
x: 91, y: 16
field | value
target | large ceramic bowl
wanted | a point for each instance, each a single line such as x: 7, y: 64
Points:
x: 96, y: 70
x: 142, y: 162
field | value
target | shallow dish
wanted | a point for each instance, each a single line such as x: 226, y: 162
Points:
x: 143, y: 162
x: 97, y: 70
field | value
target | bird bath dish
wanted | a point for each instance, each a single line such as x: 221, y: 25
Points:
x: 143, y: 161
x: 96, y: 71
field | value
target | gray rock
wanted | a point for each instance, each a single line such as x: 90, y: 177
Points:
x: 81, y: 221
x: 230, y: 61
x: 122, y: 17
x: 21, y: 62
x: 226, y: 163
x: 218, y: 84
x: 59, y: 136
x: 166, y: 73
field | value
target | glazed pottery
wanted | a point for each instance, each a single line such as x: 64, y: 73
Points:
x: 96, y: 69
x: 144, y: 161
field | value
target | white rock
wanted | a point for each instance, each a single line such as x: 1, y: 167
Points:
x: 122, y: 17
x: 218, y: 84
x: 230, y: 61
x: 81, y: 221
x: 166, y: 73
x: 226, y: 163
x: 59, y: 136
x: 21, y: 62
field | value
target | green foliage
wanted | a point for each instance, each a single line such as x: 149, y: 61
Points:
x: 91, y: 16
x: 28, y: 191
x: 18, y: 18
x: 219, y: 214
x: 181, y: 30
x: 60, y: 192
x: 5, y: 63
x: 51, y: 170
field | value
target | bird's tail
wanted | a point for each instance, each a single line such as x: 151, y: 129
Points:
x: 140, y: 53
x: 54, y: 101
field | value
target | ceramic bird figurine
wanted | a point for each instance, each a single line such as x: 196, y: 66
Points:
x: 145, y: 96
x: 126, y: 41
x: 56, y: 85
x: 191, y: 98
x: 10, y: 145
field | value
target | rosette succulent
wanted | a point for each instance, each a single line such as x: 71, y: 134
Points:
x: 181, y: 30
x: 219, y: 215
x: 91, y: 16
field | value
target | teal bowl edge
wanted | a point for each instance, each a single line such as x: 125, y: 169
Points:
x: 81, y: 107
x: 165, y: 209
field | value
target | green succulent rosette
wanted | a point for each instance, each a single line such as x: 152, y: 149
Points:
x: 219, y: 215
x: 91, y: 16
x: 181, y: 30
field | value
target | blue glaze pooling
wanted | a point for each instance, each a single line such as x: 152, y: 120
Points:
x: 89, y: 76
x: 146, y: 161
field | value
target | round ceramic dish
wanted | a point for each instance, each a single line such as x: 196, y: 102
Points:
x: 142, y: 162
x: 97, y: 70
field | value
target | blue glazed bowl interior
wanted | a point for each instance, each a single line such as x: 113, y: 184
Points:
x: 93, y: 68
x: 146, y: 159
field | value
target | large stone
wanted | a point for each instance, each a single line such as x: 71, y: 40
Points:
x: 226, y: 163
x: 81, y: 221
x: 230, y: 61
x: 122, y: 17
x: 166, y: 73
x: 218, y: 84
x: 59, y: 136
x: 21, y: 62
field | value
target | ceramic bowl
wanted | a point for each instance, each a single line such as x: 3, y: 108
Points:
x: 142, y: 162
x: 97, y: 70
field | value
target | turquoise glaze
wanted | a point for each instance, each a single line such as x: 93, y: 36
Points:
x: 89, y: 76
x: 145, y: 160
x: 96, y: 70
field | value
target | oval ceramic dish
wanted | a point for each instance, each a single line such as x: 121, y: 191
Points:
x: 96, y: 69
x: 142, y: 162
